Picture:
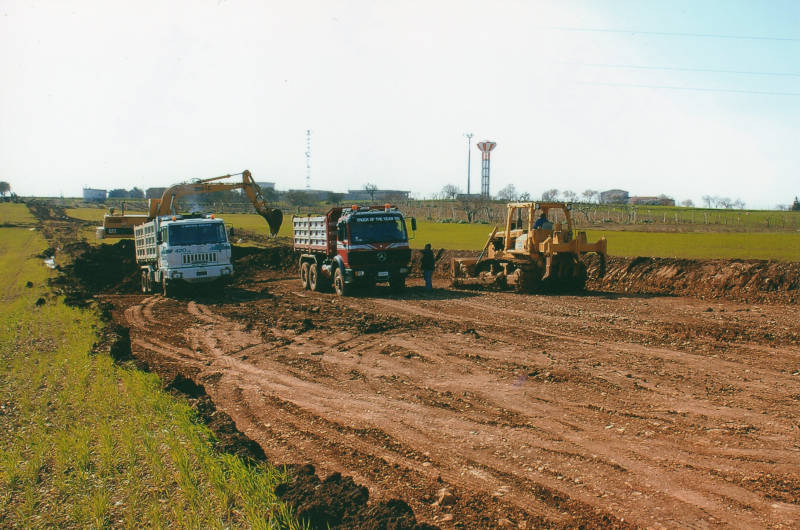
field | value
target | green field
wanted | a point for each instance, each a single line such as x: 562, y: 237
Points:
x: 783, y: 246
x: 86, y: 442
x: 13, y: 214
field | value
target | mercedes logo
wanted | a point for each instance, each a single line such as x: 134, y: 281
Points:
x: 381, y: 256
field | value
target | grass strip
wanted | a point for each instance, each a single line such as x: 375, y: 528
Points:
x: 87, y: 442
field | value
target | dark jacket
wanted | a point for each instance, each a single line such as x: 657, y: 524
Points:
x: 427, y: 260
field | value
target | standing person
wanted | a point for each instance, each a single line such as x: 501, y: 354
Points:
x: 427, y: 266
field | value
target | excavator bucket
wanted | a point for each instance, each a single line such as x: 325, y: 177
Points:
x: 274, y: 218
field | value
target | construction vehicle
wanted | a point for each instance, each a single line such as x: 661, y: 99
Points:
x: 176, y: 249
x: 548, y: 257
x: 351, y: 247
x: 122, y: 225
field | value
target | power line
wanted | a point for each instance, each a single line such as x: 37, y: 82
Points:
x: 696, y: 89
x: 679, y: 69
x: 672, y: 34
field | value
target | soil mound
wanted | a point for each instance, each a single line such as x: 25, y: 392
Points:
x: 338, y: 502
x: 739, y: 280
x: 95, y: 269
x: 278, y: 256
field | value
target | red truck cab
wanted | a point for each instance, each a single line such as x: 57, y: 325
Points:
x: 353, y: 246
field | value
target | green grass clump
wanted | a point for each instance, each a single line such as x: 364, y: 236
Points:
x: 15, y: 214
x: 782, y: 246
x: 86, y: 442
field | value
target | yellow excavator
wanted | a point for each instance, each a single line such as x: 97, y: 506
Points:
x: 121, y: 225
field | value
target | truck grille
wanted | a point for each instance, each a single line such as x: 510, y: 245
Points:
x: 397, y: 257
x: 203, y: 257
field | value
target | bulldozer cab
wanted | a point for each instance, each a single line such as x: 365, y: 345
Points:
x: 531, y: 223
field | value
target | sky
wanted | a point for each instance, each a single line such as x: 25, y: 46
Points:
x: 679, y: 97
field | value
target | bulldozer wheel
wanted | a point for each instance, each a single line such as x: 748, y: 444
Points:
x: 304, y: 267
x: 313, y: 277
x: 529, y: 281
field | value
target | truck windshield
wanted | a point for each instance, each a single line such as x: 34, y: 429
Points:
x: 377, y: 229
x: 197, y: 234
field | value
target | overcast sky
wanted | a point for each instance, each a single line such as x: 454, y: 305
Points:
x: 685, y: 98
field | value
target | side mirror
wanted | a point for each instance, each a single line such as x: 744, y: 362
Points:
x: 414, y: 224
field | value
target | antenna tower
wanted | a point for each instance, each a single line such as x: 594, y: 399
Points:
x: 308, y: 159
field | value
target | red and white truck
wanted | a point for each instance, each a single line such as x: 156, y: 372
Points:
x: 356, y: 246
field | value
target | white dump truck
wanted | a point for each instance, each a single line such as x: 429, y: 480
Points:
x: 188, y: 249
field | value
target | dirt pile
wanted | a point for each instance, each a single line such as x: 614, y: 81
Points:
x: 277, y: 256
x: 740, y: 280
x: 338, y: 502
x: 95, y: 269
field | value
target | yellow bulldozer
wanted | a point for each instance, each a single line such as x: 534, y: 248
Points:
x: 121, y: 225
x: 539, y: 250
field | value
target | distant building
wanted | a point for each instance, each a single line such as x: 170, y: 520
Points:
x: 614, y: 197
x: 652, y: 201
x: 154, y: 193
x: 376, y: 195
x: 314, y: 195
x: 92, y: 194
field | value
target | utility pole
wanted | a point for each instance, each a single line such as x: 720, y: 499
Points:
x: 469, y: 155
x: 308, y: 159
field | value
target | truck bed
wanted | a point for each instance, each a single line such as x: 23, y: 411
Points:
x: 310, y: 234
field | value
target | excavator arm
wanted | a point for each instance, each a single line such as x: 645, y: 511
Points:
x: 122, y: 225
x: 166, y: 204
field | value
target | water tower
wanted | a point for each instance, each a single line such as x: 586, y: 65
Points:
x: 486, y: 148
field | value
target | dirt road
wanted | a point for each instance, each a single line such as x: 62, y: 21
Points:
x: 598, y: 410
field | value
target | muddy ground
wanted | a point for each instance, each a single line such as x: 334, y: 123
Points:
x: 493, y: 409
x: 597, y: 410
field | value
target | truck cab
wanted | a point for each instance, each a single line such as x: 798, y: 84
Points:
x: 353, y: 246
x: 182, y: 249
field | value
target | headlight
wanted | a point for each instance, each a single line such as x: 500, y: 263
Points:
x: 226, y: 271
x: 176, y: 274
x: 359, y: 273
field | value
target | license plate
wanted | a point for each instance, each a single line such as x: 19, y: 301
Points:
x: 383, y: 274
x: 202, y: 273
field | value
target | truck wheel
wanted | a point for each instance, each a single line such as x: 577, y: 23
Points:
x: 397, y: 284
x: 313, y: 278
x: 304, y: 267
x: 342, y: 289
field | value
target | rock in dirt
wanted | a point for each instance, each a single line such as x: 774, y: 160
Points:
x: 444, y: 498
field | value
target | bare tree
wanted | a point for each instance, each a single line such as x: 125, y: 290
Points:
x: 688, y: 203
x: 371, y: 189
x: 525, y: 196
x: 509, y: 193
x: 796, y: 205
x: 569, y: 196
x: 471, y: 205
x: 450, y: 191
x: 550, y: 195
x: 708, y: 199
x: 738, y: 204
x: 590, y: 195
x: 5, y: 187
